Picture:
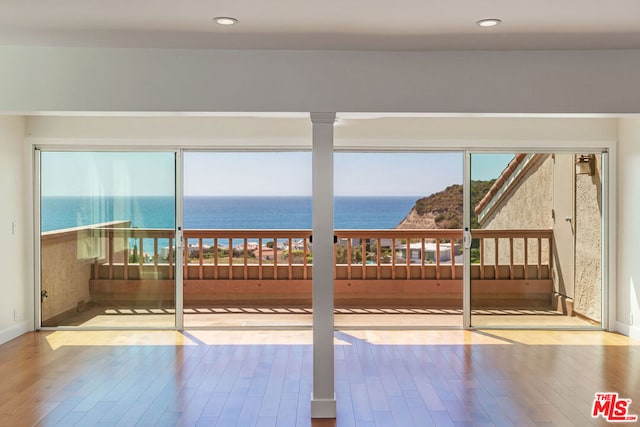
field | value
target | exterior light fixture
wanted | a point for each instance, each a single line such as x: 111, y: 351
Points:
x: 225, y: 20
x: 489, y: 22
x: 586, y: 164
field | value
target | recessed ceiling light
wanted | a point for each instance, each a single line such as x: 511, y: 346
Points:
x: 490, y: 22
x: 225, y: 20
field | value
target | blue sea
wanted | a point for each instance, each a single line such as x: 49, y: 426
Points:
x: 223, y: 212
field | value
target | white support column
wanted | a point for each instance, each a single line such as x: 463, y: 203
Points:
x: 323, y: 398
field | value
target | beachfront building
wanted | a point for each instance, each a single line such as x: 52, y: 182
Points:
x: 268, y: 254
x: 429, y: 250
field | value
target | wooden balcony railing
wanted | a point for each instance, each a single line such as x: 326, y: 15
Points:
x: 250, y: 254
x: 269, y: 265
x: 125, y: 253
x: 384, y: 262
x: 501, y: 248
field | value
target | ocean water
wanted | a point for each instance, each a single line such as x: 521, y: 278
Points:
x: 222, y: 212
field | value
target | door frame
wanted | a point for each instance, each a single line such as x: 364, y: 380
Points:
x: 609, y: 241
x: 607, y: 286
x: 37, y: 149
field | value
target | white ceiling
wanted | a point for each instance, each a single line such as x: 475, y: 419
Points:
x: 328, y: 24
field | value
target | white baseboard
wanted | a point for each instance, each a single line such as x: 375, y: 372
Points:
x: 621, y: 328
x: 323, y: 408
x: 14, y: 331
x: 634, y: 332
x: 628, y: 330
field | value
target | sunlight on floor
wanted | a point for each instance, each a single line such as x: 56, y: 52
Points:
x: 434, y: 337
x: 59, y: 339
x: 578, y: 338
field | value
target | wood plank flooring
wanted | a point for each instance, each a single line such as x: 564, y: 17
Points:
x: 263, y: 378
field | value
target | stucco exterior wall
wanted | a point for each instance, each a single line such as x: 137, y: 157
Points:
x: 65, y: 273
x: 588, y: 229
x: 527, y: 205
x: 67, y: 259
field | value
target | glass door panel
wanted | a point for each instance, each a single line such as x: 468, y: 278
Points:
x: 248, y: 253
x: 536, y: 248
x: 398, y: 219
x: 108, y: 223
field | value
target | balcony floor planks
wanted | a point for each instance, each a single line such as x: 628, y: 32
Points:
x: 248, y: 378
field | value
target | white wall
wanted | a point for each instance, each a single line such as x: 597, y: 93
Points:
x: 628, y: 169
x: 91, y: 79
x: 15, y: 283
x: 353, y: 132
x: 509, y: 133
x: 286, y: 133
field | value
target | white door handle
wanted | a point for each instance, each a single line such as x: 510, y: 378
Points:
x: 466, y: 238
x: 180, y: 239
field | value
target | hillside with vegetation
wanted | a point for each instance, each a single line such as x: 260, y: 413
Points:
x: 444, y: 209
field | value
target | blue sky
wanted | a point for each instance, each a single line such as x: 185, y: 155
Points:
x: 258, y: 174
x: 355, y: 174
x: 488, y: 166
x: 107, y: 173
x: 396, y: 174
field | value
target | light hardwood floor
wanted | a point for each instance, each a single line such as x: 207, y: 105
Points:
x: 245, y: 378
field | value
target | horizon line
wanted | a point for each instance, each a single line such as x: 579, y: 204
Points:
x: 231, y: 196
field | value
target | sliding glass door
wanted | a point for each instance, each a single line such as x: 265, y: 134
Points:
x: 108, y: 252
x: 398, y: 219
x: 107, y: 239
x: 248, y: 249
x: 536, y: 248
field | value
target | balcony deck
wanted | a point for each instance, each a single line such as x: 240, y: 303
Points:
x: 270, y: 269
x: 301, y: 318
